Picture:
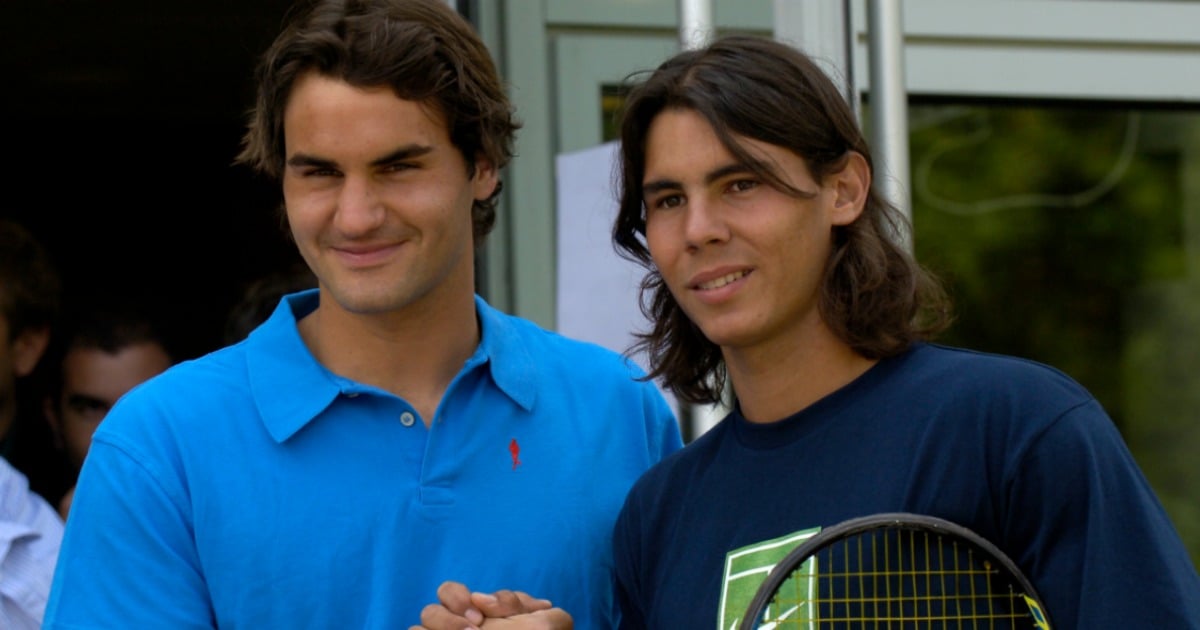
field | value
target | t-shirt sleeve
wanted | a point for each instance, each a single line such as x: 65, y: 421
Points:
x: 1100, y: 546
x: 625, y: 573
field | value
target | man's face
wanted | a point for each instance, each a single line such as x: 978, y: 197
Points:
x: 743, y: 259
x: 378, y: 199
x: 93, y: 380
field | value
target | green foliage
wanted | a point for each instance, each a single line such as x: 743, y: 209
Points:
x: 1056, y: 230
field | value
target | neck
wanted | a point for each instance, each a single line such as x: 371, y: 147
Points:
x: 778, y: 381
x: 413, y: 353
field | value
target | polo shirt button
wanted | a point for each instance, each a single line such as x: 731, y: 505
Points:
x: 407, y: 419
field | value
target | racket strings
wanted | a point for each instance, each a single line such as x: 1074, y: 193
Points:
x: 897, y: 579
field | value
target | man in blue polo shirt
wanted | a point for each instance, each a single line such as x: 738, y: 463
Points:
x: 388, y: 431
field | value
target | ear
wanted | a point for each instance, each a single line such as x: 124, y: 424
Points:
x: 485, y: 177
x: 851, y: 186
x: 28, y: 348
x: 50, y: 411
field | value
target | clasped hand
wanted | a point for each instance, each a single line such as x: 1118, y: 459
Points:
x: 460, y: 609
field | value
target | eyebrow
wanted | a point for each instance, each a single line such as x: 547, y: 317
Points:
x: 655, y: 186
x: 406, y: 152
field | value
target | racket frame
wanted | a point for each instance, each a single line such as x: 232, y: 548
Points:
x: 886, y: 520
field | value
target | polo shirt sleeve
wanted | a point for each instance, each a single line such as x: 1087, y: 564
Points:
x: 130, y: 522
x: 665, y: 437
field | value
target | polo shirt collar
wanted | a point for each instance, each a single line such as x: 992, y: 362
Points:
x: 291, y: 388
x: 502, y: 345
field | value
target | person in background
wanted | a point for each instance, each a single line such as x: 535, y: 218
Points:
x: 772, y: 263
x: 260, y: 297
x: 389, y: 431
x: 30, y: 536
x: 30, y: 530
x: 30, y: 302
x: 105, y: 352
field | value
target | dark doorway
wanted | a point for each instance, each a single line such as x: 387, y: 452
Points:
x: 122, y: 118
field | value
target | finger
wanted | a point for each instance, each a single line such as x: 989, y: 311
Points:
x: 437, y: 617
x: 558, y: 619
x: 506, y: 603
x: 456, y: 597
x: 531, y: 603
x: 549, y: 619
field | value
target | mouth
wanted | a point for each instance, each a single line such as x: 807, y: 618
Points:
x: 365, y: 256
x: 717, y: 283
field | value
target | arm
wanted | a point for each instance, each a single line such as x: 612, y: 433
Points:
x: 1099, y: 545
x: 30, y: 534
x: 459, y: 608
x: 128, y: 557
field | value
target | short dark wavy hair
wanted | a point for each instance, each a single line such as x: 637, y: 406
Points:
x: 30, y: 285
x: 422, y: 49
x: 875, y: 297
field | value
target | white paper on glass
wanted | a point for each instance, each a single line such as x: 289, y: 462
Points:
x: 597, y: 289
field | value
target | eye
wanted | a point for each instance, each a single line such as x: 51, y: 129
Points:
x: 742, y: 185
x: 319, y: 172
x: 398, y: 167
x: 665, y: 202
x: 86, y: 407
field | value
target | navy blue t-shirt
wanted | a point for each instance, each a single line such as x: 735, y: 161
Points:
x: 1012, y: 449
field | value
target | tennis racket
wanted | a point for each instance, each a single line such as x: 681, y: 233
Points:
x: 896, y: 570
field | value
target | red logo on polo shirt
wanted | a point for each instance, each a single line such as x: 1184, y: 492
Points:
x: 515, y: 449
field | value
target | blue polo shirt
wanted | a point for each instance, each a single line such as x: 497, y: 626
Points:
x: 253, y: 488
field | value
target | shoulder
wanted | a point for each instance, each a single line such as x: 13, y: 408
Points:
x: 679, y: 469
x: 553, y: 349
x: 223, y: 369
x: 1024, y: 408
x: 966, y: 361
x: 23, y: 511
x: 988, y: 374
x: 602, y: 396
x: 570, y: 376
x: 205, y: 388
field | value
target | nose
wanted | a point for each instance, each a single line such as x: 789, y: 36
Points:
x: 704, y: 223
x: 360, y: 208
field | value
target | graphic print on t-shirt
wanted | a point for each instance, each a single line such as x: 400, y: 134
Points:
x: 747, y: 568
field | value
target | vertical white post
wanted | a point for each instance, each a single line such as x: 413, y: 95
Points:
x: 889, y: 106
x: 695, y: 23
x: 822, y: 30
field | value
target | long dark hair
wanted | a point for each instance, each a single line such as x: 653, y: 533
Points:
x: 875, y: 297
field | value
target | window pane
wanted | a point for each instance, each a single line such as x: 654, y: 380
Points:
x: 1069, y: 234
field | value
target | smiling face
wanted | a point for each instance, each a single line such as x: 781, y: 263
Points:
x: 743, y: 259
x: 378, y: 199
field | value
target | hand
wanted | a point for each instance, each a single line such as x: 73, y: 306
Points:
x: 549, y: 619
x: 458, y: 609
